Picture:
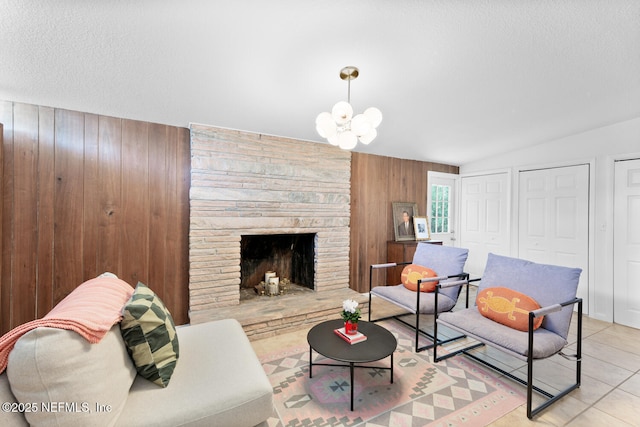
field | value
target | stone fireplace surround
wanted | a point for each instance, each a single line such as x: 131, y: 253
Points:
x: 247, y: 183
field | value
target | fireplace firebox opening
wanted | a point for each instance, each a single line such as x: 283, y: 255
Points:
x: 290, y: 256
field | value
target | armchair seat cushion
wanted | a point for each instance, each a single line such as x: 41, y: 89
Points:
x: 512, y: 341
x: 218, y: 382
x: 403, y: 297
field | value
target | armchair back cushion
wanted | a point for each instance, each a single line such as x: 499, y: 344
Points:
x: 444, y: 260
x: 54, y: 365
x: 546, y: 284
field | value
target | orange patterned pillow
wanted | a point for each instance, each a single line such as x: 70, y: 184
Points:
x: 509, y: 307
x: 414, y: 272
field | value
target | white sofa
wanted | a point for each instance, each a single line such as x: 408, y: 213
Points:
x: 56, y: 378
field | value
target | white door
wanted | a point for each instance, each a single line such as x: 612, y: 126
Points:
x: 441, y: 206
x: 484, y: 218
x: 553, y: 219
x: 626, y: 243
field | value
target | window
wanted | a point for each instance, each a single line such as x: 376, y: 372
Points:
x: 440, y: 208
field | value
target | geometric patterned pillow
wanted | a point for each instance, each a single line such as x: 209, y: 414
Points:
x: 509, y: 307
x: 150, y: 335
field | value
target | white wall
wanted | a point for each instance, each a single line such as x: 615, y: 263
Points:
x: 599, y: 147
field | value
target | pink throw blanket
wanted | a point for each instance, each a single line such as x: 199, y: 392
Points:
x: 90, y: 310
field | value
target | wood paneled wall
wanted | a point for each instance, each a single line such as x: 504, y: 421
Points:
x: 377, y: 182
x: 83, y: 194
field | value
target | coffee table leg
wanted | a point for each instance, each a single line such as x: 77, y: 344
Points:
x: 310, y: 363
x: 352, y: 383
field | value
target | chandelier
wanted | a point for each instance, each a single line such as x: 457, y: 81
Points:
x: 341, y: 127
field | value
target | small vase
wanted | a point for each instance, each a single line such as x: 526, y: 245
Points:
x: 350, y: 328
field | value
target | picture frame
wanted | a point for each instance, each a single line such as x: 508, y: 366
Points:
x: 403, y: 231
x: 422, y: 229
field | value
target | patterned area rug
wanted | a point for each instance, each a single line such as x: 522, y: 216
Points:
x: 454, y: 392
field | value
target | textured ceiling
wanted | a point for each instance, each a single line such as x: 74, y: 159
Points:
x: 456, y: 81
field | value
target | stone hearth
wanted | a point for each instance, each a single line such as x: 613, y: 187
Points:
x: 265, y: 317
x: 244, y: 183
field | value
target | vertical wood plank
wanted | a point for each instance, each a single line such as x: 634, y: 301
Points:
x: 135, y: 201
x: 172, y: 239
x: 109, y: 194
x: 4, y: 302
x: 91, y: 203
x: 45, y: 225
x: 177, y: 245
x: 159, y: 176
x: 6, y: 117
x: 181, y: 284
x: 355, y: 239
x: 68, y: 202
x: 379, y: 211
x: 25, y: 208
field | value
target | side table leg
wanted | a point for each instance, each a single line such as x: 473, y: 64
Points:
x: 391, y: 368
x: 310, y: 363
x: 352, y: 383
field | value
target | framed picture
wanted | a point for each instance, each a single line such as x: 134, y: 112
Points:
x: 421, y: 225
x: 403, y: 213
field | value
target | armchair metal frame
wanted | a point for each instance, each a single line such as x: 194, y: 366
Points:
x: 577, y: 357
x: 462, y: 280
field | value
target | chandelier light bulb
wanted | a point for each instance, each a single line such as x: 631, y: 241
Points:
x: 325, y: 125
x: 370, y: 136
x: 342, y: 112
x: 323, y: 118
x: 374, y: 115
x: 340, y: 127
x: 360, y: 125
x: 347, y: 140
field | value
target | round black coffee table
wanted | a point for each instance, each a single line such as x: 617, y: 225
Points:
x: 380, y: 343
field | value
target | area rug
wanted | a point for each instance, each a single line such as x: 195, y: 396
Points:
x: 454, y: 392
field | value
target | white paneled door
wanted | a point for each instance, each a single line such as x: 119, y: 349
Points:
x: 626, y: 245
x: 484, y: 218
x: 553, y: 219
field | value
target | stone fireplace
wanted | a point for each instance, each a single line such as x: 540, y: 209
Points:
x: 247, y: 184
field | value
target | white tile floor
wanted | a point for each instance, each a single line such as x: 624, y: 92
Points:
x: 610, y: 386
